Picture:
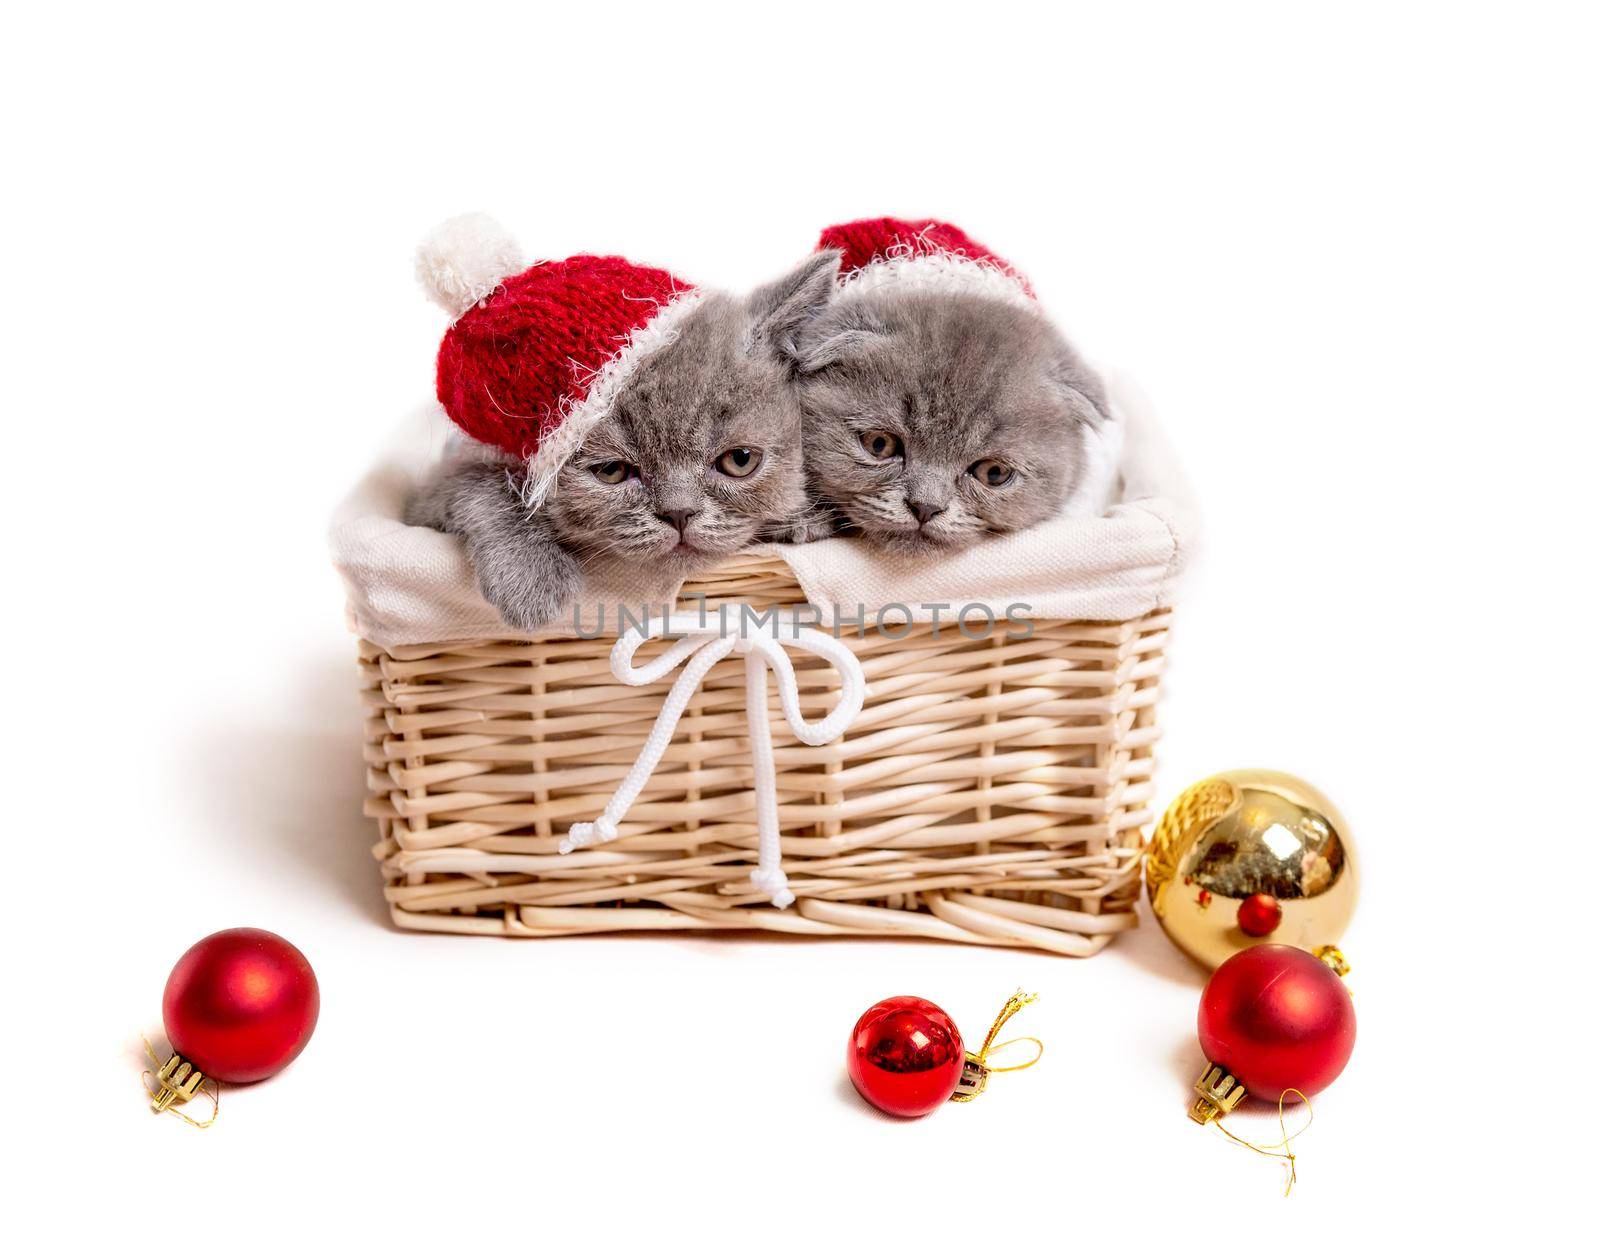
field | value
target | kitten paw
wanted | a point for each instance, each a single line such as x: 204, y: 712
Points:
x: 526, y: 612
x: 802, y: 529
x: 530, y: 599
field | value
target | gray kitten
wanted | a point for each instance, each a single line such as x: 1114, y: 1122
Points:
x: 933, y: 418
x: 699, y: 458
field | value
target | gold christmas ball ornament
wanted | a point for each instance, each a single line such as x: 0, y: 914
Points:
x: 1247, y: 857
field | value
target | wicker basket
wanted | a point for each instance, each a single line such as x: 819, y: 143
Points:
x: 990, y: 791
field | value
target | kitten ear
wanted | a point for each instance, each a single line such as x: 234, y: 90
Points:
x: 1082, y: 389
x: 850, y: 331
x: 783, y: 308
x: 824, y: 352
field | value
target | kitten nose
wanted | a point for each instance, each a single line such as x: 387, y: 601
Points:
x: 679, y: 518
x: 925, y: 511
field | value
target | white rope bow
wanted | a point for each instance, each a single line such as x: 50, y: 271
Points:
x: 703, y: 643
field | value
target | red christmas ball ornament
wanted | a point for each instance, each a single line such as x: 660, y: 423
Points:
x: 905, y: 1056
x: 239, y: 1006
x: 1274, y: 1021
x: 1259, y: 915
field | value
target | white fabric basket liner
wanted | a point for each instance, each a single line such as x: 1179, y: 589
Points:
x: 413, y: 585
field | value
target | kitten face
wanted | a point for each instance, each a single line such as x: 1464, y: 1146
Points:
x: 934, y: 419
x: 702, y: 447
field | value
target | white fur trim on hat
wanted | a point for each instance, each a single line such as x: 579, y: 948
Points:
x: 920, y: 270
x: 462, y: 260
x: 579, y: 417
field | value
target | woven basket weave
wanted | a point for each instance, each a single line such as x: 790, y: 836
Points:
x: 991, y: 791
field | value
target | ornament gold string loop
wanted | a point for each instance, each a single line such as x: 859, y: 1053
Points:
x: 975, y: 1069
x: 1281, y: 1149
x: 1038, y: 1052
x: 1014, y: 1003
x: 215, y: 1091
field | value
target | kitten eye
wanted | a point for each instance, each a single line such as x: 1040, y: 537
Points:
x: 992, y: 473
x: 613, y: 471
x: 881, y: 445
x: 739, y: 462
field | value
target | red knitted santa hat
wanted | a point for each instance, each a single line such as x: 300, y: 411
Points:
x: 920, y: 254
x: 537, y: 353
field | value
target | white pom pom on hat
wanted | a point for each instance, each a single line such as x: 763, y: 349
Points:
x: 465, y: 258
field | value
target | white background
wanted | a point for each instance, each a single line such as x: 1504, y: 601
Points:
x: 1351, y: 252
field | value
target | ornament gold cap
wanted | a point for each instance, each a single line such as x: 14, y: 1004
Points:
x: 1219, y: 1093
x: 178, y: 1081
x: 974, y: 1079
x: 1334, y: 958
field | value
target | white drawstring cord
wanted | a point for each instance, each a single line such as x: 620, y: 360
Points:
x: 702, y: 642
